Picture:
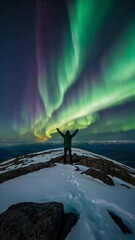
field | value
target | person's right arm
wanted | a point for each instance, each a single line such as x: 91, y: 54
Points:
x: 60, y: 132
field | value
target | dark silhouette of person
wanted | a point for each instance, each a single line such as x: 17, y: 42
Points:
x: 67, y: 143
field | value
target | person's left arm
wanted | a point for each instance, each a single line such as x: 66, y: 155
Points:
x: 75, y: 133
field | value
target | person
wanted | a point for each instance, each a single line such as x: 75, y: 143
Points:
x: 67, y: 143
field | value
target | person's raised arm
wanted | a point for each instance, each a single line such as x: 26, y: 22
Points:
x: 75, y: 133
x: 60, y: 132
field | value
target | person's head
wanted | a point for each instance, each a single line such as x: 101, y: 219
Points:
x: 67, y: 132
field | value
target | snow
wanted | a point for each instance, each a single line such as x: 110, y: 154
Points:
x: 88, y: 197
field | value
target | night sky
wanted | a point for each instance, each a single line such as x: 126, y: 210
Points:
x: 67, y: 64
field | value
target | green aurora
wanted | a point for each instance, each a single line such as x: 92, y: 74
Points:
x: 92, y: 71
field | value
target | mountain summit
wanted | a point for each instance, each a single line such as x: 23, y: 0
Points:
x: 99, y: 190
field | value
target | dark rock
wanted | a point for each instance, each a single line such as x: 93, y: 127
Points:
x: 99, y: 175
x: 77, y: 168
x: 125, y: 229
x: 124, y: 185
x: 60, y: 159
x: 36, y: 221
x: 124, y: 174
x: 69, y: 221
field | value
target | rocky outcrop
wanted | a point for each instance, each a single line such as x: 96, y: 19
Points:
x: 24, y: 170
x: 36, y: 221
x: 99, y: 168
x: 99, y: 175
x: 105, y: 168
x: 125, y: 175
x: 123, y: 227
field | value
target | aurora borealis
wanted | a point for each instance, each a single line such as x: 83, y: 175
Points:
x: 67, y: 64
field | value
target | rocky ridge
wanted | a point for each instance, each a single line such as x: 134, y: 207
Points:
x: 98, y: 167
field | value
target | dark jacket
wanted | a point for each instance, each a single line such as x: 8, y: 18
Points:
x: 67, y: 138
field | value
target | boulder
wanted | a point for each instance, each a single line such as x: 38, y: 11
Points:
x: 124, y: 174
x: 123, y: 227
x: 99, y: 175
x: 36, y: 221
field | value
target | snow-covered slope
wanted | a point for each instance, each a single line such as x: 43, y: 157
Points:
x: 89, y: 197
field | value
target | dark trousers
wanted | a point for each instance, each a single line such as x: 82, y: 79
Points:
x: 65, y: 154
